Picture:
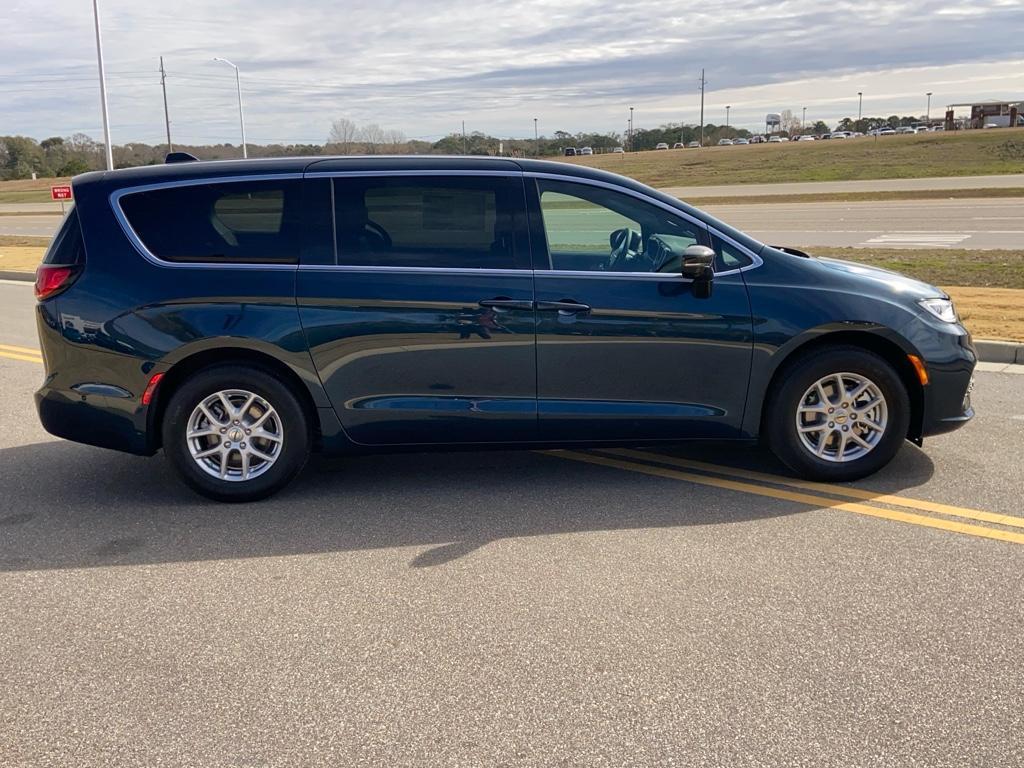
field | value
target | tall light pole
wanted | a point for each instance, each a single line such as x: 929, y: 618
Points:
x: 727, y: 115
x: 536, y: 138
x: 803, y: 119
x: 860, y: 104
x: 631, y: 147
x: 238, y: 87
x: 703, y: 83
x: 928, y: 112
x: 103, y: 86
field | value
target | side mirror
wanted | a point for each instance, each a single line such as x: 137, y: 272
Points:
x: 698, y: 265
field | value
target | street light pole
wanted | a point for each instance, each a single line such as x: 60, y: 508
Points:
x: 726, y: 115
x: 536, y: 138
x: 928, y: 112
x: 860, y: 104
x: 631, y: 147
x: 803, y: 119
x: 238, y: 88
x: 103, y: 86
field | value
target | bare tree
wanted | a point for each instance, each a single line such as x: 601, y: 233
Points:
x: 342, y: 137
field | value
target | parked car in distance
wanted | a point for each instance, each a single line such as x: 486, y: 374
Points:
x: 725, y: 142
x: 661, y: 145
x: 740, y: 141
x: 886, y: 132
x: 677, y: 145
x: 381, y: 304
x: 693, y: 145
x: 774, y: 139
x: 757, y: 139
x: 586, y: 151
x: 569, y: 151
x: 805, y: 137
x: 617, y: 150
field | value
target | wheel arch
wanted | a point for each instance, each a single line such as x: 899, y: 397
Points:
x: 208, y: 357
x: 881, y: 341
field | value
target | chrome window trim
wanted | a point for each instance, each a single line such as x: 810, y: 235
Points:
x: 756, y: 261
x: 372, y: 269
x: 129, y: 231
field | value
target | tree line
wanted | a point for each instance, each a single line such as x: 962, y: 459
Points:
x: 21, y: 156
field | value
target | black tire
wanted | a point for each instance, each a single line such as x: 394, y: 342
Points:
x: 290, y: 457
x: 798, y: 377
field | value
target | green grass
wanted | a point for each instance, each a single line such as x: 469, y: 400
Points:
x: 958, y: 153
x: 979, y: 269
x: 854, y: 197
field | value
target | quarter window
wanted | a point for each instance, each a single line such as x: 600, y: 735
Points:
x: 230, y: 222
x: 434, y: 222
x: 594, y: 229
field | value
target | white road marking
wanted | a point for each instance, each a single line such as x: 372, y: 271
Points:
x: 934, y: 239
x: 29, y: 283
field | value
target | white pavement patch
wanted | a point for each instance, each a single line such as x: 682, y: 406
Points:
x: 925, y: 239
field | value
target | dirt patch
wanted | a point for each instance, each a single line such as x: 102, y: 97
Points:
x: 20, y: 258
x: 990, y: 313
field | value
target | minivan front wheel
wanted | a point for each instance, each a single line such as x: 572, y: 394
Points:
x: 838, y: 414
x: 235, y: 433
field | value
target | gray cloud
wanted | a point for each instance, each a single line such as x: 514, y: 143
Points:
x: 424, y: 66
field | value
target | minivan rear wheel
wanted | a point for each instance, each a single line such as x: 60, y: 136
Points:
x: 838, y: 414
x: 235, y: 433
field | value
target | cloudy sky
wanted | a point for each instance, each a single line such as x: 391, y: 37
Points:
x: 424, y: 66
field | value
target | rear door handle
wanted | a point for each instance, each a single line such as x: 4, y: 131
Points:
x: 564, y: 307
x: 503, y: 302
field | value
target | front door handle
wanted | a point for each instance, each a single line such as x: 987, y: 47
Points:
x: 564, y: 307
x: 503, y: 302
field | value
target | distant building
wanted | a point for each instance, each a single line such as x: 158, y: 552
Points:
x: 984, y: 114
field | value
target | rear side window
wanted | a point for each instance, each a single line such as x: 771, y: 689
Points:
x: 441, y: 222
x: 67, y: 247
x: 248, y: 222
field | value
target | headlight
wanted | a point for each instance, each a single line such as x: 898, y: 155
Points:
x: 941, y: 308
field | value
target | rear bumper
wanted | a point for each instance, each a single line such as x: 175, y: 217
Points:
x: 103, y: 420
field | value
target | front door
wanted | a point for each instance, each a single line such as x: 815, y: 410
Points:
x: 626, y: 349
x: 421, y: 320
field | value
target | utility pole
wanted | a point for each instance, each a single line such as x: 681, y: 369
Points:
x: 702, y: 84
x: 803, y: 119
x: 167, y: 116
x: 860, y: 104
x: 631, y: 147
x: 727, y: 115
x: 465, y: 149
x: 536, y: 138
x: 103, y: 86
x: 928, y: 113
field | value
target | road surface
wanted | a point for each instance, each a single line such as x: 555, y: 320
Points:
x: 511, y: 609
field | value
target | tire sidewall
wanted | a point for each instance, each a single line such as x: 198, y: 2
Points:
x: 294, y: 451
x: 800, y: 376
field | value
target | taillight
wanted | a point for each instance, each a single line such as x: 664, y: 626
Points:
x: 51, y: 280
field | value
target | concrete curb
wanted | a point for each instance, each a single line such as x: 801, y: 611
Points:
x: 989, y: 351
x: 28, y: 277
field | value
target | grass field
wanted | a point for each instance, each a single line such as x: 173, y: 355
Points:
x: 28, y: 190
x: 958, y: 153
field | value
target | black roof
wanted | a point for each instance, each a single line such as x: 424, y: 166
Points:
x: 149, y: 174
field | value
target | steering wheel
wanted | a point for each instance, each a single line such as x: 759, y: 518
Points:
x: 625, y: 245
x: 375, y: 227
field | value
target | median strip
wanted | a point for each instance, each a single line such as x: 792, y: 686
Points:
x: 821, y: 502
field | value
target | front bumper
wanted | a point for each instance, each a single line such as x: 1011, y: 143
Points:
x: 947, y: 398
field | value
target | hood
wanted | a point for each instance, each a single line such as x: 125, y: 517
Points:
x: 885, y: 279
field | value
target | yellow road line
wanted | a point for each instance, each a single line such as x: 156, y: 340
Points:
x: 20, y: 350
x: 835, y: 490
x: 800, y: 498
x: 24, y: 358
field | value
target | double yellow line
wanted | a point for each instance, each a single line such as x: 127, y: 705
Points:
x: 25, y: 354
x: 944, y: 517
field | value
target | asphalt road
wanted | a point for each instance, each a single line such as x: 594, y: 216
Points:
x: 506, y: 609
x: 962, y: 223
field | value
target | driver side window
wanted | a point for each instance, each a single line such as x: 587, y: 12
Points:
x: 595, y: 229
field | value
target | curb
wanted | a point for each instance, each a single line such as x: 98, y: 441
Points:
x: 27, y: 277
x: 989, y: 351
